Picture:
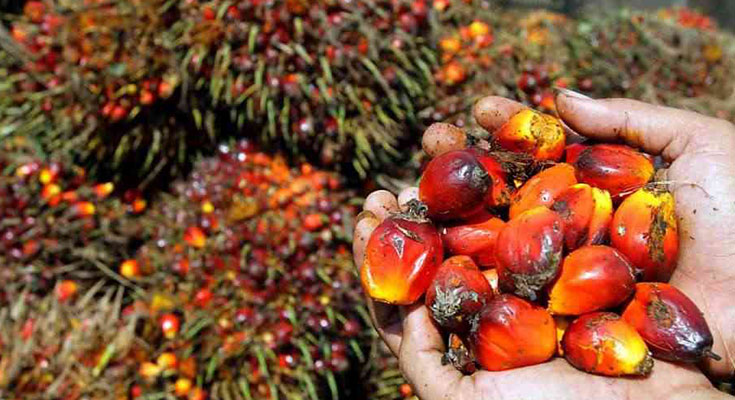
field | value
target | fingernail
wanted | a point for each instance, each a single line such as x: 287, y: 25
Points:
x: 571, y: 93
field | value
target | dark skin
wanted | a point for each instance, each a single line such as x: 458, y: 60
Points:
x: 701, y: 175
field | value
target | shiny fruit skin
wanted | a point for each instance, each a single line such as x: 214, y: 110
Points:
x: 475, y: 239
x: 457, y: 294
x: 670, y: 323
x: 572, y: 152
x: 500, y: 194
x: 454, y: 185
x: 619, y: 169
x: 529, y: 252
x: 542, y: 189
x: 592, y: 278
x: 401, y: 259
x: 539, y: 135
x: 512, y: 333
x: 602, y: 343
x: 587, y: 213
x: 645, y: 230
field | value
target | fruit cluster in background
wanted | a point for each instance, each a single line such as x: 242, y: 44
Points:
x: 105, y: 295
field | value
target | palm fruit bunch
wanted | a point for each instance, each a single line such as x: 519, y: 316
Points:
x: 336, y: 81
x: 74, y: 347
x: 96, y: 79
x: 673, y: 57
x: 251, y: 288
x: 384, y: 379
x: 60, y: 232
x: 579, y: 255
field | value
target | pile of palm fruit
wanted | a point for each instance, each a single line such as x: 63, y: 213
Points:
x: 236, y: 281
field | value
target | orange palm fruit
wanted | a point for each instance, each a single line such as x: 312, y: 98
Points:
x: 644, y: 228
x: 586, y: 212
x: 401, y: 257
x: 529, y: 252
x: 475, y: 239
x: 542, y: 189
x: 670, y: 323
x: 195, y: 237
x: 619, y: 169
x: 539, y: 135
x: 592, y: 278
x: 602, y: 343
x: 457, y: 294
x: 512, y: 333
x: 454, y: 185
x: 499, y: 194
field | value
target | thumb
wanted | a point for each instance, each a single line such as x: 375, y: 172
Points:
x: 659, y: 130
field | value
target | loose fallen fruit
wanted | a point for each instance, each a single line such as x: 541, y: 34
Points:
x: 644, y: 229
x: 542, y: 189
x: 512, y: 333
x: 454, y: 185
x: 529, y: 252
x: 457, y: 294
x: 499, y: 195
x: 621, y: 170
x: 602, y: 343
x: 401, y: 257
x: 586, y: 212
x: 534, y: 133
x: 592, y: 278
x: 475, y: 239
x: 670, y: 323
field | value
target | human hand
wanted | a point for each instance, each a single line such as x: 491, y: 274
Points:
x: 701, y: 176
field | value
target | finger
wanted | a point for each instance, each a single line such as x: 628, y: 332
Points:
x: 492, y: 112
x: 406, y: 195
x: 387, y: 321
x: 366, y: 224
x: 655, y: 129
x: 382, y: 203
x: 440, y: 138
x: 420, y: 357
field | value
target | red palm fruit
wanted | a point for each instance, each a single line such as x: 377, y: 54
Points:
x: 512, y: 333
x: 644, y: 229
x: 83, y: 209
x: 454, y: 185
x: 542, y: 189
x: 619, y: 169
x: 602, y: 343
x: 572, y: 152
x: 539, y: 135
x: 170, y: 325
x: 592, y: 278
x: 103, y: 190
x: 529, y: 252
x: 457, y: 294
x: 499, y: 195
x: 586, y: 212
x: 458, y: 355
x: 402, y: 257
x: 476, y: 239
x: 130, y: 269
x: 670, y: 323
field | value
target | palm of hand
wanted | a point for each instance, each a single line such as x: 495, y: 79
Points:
x: 702, y: 178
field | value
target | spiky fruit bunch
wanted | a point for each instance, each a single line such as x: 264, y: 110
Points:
x: 328, y: 79
x: 252, y: 285
x: 59, y: 230
x: 97, y: 80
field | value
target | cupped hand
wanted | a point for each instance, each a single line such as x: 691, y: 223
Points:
x: 701, y: 174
